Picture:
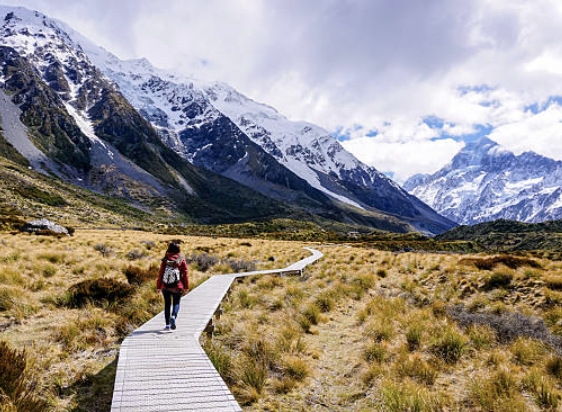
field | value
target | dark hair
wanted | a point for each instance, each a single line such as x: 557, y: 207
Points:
x: 173, y: 248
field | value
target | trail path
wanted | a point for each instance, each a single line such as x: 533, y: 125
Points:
x: 169, y: 372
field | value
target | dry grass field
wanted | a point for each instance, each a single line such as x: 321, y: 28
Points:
x: 362, y: 330
x: 366, y: 330
x: 71, y: 334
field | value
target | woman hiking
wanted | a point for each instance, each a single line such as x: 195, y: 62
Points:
x: 172, y: 282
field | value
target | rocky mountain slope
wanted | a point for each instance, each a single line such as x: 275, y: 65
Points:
x: 128, y: 129
x: 67, y: 119
x: 485, y: 182
x: 214, y: 126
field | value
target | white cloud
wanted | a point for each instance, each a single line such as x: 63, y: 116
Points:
x: 541, y: 132
x: 404, y: 159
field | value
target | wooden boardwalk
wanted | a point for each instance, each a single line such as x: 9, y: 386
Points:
x: 162, y: 371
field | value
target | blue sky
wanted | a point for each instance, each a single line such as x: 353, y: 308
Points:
x: 402, y: 84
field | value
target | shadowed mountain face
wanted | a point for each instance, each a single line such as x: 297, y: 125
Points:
x: 75, y: 123
x: 128, y: 129
x: 215, y: 127
x: 486, y: 182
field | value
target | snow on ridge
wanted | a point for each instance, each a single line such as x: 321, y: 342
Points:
x: 39, y: 37
x: 131, y: 75
x: 306, y: 148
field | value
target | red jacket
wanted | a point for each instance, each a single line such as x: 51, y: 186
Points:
x: 183, y: 284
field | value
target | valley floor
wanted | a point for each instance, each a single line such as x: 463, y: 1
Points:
x: 71, y: 335
x: 367, y: 330
x: 362, y: 330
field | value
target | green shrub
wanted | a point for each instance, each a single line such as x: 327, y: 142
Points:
x: 32, y: 192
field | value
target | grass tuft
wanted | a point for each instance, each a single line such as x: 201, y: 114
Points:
x: 415, y: 367
x: 17, y: 389
x: 374, y: 352
x: 498, y: 392
x: 407, y: 396
x: 450, y: 345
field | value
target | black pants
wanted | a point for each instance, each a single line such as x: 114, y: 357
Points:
x: 170, y: 296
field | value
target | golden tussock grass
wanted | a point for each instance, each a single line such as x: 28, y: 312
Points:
x: 361, y: 330
x: 72, y: 348
x: 380, y: 323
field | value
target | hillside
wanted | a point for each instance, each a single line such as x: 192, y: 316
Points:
x: 217, y: 128
x: 507, y: 235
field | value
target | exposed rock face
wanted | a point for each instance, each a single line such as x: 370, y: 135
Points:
x: 485, y: 182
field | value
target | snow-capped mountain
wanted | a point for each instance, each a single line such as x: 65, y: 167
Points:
x: 213, y: 126
x: 66, y: 118
x: 130, y: 129
x: 484, y: 182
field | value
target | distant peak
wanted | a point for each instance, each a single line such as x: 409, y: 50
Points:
x: 17, y: 13
x: 143, y: 61
x: 484, y: 146
x: 482, y: 142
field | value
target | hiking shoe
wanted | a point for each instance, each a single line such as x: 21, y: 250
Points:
x: 173, y: 322
x: 167, y: 327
